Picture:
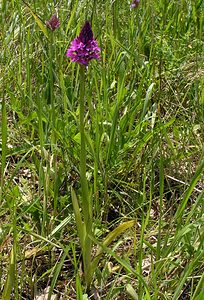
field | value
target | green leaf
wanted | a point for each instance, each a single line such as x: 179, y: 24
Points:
x: 131, y: 292
x: 79, y: 291
x: 10, y: 278
x: 59, y: 228
x: 199, y: 291
x: 110, y: 237
x: 189, y: 191
x: 77, y: 213
x: 147, y: 100
x: 56, y: 272
x: 186, y: 273
x: 124, y: 264
x: 39, y: 22
x: 116, y: 232
x: 4, y: 142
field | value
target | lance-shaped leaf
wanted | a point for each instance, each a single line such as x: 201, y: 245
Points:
x: 38, y: 21
x: 110, y: 237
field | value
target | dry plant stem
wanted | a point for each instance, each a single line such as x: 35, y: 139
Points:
x: 86, y: 205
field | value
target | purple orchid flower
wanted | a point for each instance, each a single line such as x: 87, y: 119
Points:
x: 135, y: 4
x: 53, y: 23
x: 84, y: 48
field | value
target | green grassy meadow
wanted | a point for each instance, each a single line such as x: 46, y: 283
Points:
x: 102, y: 175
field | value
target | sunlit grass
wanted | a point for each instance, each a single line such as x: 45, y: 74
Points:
x: 144, y: 115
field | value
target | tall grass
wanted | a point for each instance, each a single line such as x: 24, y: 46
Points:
x: 143, y: 124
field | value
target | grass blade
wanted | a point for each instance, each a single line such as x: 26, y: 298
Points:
x: 10, y: 278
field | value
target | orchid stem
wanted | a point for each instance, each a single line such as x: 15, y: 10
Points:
x: 86, y: 207
x: 84, y: 183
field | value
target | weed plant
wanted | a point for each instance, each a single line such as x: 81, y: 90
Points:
x: 143, y: 134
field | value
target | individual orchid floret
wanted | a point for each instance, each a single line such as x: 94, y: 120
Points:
x: 84, y: 48
x: 53, y: 23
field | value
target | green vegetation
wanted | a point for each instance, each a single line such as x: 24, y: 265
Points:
x: 141, y: 235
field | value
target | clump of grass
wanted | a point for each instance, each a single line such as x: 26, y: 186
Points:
x: 143, y: 124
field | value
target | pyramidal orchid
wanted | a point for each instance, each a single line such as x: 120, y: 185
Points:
x: 84, y: 48
x: 53, y: 23
x: 135, y: 4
